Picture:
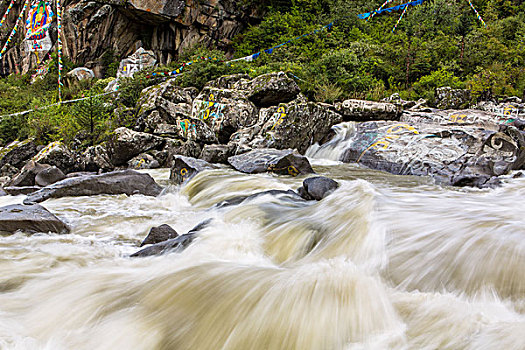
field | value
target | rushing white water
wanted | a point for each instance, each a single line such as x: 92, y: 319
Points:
x: 385, y: 262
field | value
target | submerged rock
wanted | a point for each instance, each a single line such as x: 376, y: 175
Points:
x: 317, y: 188
x: 184, y: 168
x: 284, y: 162
x: 159, y: 234
x: 238, y: 200
x: 30, y: 219
x: 128, y: 182
x: 174, y: 244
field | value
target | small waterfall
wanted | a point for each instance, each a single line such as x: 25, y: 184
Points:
x: 335, y: 148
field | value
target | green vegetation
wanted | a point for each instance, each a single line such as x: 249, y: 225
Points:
x: 440, y: 43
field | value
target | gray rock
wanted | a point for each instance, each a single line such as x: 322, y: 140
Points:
x: 95, y: 159
x: 17, y: 153
x: 30, y: 219
x: 2, y: 192
x: 184, y: 168
x: 217, y: 153
x: 159, y: 234
x: 127, y: 144
x: 27, y: 175
x: 448, y: 98
x: 290, y: 195
x: 127, y: 182
x: 282, y: 162
x: 57, y: 154
x: 296, y: 125
x: 270, y: 89
x: 49, y: 176
x: 173, y: 245
x: 164, y: 107
x: 450, y: 153
x: 143, y: 161
x: 317, y: 188
x: 19, y: 190
x: 223, y: 112
x: 137, y: 62
x: 361, y: 110
x: 81, y: 73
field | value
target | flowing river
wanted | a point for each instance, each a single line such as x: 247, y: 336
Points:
x: 385, y: 262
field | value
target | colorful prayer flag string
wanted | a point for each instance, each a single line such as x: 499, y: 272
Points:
x: 7, y: 12
x: 400, y: 18
x: 59, y: 46
x: 4, y: 49
x: 379, y: 9
x: 477, y: 14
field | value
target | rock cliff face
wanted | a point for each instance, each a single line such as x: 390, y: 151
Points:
x: 97, y: 31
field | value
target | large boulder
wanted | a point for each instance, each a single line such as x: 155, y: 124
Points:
x: 449, y: 98
x: 280, y: 194
x: 361, y: 110
x: 127, y: 182
x: 17, y: 153
x: 57, y: 154
x: 30, y: 219
x: 466, y: 118
x: 140, y: 60
x: 223, y: 111
x: 163, y: 107
x: 451, y: 154
x: 27, y: 175
x: 173, y: 148
x: 296, y: 125
x: 49, y: 176
x: 81, y: 73
x: 184, y: 168
x: 217, y: 153
x: 127, y: 144
x: 95, y: 159
x: 282, y: 162
x: 270, y: 89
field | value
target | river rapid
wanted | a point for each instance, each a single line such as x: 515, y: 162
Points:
x: 385, y: 262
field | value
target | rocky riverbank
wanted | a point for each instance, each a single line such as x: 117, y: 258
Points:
x: 234, y: 115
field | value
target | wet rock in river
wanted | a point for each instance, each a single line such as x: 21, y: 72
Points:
x: 451, y: 153
x: 19, y: 190
x: 30, y: 219
x: 281, y: 193
x: 282, y: 162
x: 160, y: 234
x: 317, y: 187
x: 184, y: 168
x: 128, y: 182
x: 175, y: 244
